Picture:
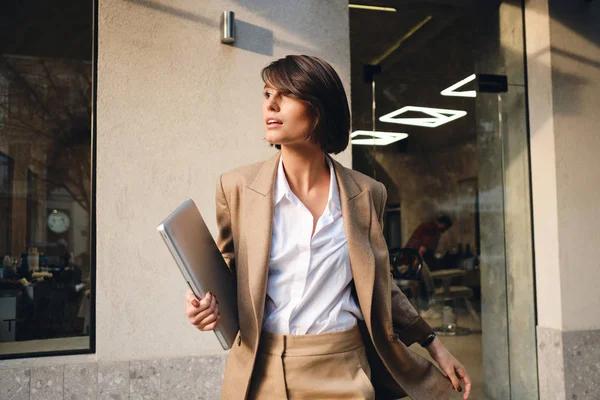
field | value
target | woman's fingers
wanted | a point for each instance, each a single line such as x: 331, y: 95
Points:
x: 189, y: 296
x: 194, y: 306
x: 207, y: 322
x: 199, y: 319
x: 203, y: 313
x: 462, y: 374
x: 453, y: 379
x: 213, y: 325
x: 207, y: 317
x: 206, y: 301
x: 191, y: 304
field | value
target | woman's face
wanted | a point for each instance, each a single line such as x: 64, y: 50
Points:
x: 288, y: 121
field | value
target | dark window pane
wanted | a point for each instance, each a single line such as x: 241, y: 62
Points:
x: 45, y: 175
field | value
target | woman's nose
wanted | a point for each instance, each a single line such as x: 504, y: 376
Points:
x: 272, y: 104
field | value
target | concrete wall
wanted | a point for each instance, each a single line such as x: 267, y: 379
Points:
x: 564, y: 68
x: 575, y: 44
x: 564, y: 54
x: 175, y: 109
x: 567, y: 118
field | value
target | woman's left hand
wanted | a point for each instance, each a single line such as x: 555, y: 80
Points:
x: 455, y: 371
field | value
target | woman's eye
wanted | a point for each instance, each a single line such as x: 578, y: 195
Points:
x: 267, y: 95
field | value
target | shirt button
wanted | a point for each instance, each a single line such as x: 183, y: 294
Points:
x: 394, y: 337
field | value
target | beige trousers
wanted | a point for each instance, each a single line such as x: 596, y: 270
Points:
x: 323, y: 366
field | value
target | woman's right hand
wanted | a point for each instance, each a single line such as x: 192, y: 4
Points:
x: 204, y: 313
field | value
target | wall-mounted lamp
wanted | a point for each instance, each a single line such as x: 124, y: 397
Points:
x: 228, y: 27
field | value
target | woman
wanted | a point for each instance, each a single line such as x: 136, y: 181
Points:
x: 319, y: 314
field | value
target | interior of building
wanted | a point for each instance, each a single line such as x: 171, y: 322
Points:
x: 423, y: 126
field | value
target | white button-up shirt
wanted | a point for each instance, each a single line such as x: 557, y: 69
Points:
x: 309, y: 287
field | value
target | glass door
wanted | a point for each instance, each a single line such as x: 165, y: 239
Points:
x: 439, y: 117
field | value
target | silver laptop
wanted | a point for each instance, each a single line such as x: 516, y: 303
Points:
x: 202, y: 265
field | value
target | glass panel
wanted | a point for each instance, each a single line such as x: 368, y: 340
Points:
x: 6, y: 181
x: 458, y: 185
x: 45, y: 176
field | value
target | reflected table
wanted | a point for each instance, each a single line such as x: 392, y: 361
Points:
x: 447, y: 292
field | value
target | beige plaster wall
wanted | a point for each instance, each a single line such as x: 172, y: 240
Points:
x: 564, y: 92
x: 575, y: 43
x: 175, y: 109
x: 543, y: 166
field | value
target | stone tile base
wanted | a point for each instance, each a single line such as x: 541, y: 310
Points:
x: 551, y: 370
x: 569, y: 364
x: 582, y: 364
x: 173, y: 379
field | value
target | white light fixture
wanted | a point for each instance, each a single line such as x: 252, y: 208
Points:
x: 450, y: 91
x: 377, y: 138
x: 437, y: 116
x: 372, y: 8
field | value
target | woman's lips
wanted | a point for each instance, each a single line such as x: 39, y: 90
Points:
x: 273, y: 123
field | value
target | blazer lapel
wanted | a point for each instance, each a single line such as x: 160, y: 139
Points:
x: 356, y: 213
x: 258, y: 226
x: 257, y: 217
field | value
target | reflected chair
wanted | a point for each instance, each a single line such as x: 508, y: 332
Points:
x: 408, y: 266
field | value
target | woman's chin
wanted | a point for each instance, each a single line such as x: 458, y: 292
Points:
x: 272, y: 140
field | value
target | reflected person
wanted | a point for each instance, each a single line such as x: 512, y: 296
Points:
x: 425, y: 240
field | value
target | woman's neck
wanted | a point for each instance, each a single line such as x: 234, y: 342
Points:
x: 304, y: 168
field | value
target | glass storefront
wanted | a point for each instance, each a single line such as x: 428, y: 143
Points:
x: 45, y: 177
x: 439, y: 116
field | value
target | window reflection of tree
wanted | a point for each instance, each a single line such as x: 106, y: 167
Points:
x: 49, y: 106
x: 45, y: 126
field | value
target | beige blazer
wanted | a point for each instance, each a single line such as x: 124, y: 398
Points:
x: 245, y: 218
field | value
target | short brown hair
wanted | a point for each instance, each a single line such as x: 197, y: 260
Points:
x: 314, y: 81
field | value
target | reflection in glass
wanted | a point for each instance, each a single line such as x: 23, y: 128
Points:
x: 45, y: 179
x: 446, y: 181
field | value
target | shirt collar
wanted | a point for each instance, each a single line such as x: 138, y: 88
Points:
x: 282, y: 187
x: 334, y: 190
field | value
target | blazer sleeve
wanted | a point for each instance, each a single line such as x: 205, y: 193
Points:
x: 407, y: 323
x: 225, y: 235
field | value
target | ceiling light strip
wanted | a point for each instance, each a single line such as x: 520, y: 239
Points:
x: 372, y: 8
x: 378, y: 138
x: 451, y: 91
x: 401, y: 40
x: 434, y: 116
